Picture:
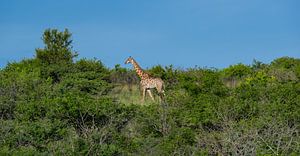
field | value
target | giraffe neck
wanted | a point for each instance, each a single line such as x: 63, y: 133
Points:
x: 140, y: 71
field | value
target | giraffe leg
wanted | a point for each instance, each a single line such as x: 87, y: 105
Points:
x: 159, y: 97
x: 144, y: 92
x: 149, y: 91
x: 160, y: 92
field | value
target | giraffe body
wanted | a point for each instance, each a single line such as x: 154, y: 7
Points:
x: 147, y: 82
x: 152, y: 83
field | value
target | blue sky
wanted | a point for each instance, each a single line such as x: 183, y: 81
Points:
x: 185, y: 33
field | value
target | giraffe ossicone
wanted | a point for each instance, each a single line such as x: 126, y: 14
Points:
x: 147, y: 81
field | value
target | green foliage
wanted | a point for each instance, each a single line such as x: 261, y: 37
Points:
x: 57, y: 56
x: 234, y: 74
x: 123, y: 76
x: 258, y: 65
x: 197, y: 81
x: 286, y: 62
x: 288, y: 68
x: 53, y: 105
x: 158, y: 71
x: 237, y: 71
x: 259, y: 78
x: 57, y: 47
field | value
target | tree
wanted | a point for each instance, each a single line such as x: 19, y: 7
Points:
x: 58, y: 47
x: 57, y: 55
x: 236, y: 72
x: 285, y: 69
x: 286, y: 62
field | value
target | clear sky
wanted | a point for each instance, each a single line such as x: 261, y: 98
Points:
x: 185, y: 33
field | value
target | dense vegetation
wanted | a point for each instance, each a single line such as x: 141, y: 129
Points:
x: 52, y: 104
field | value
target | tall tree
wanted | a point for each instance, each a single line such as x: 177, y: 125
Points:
x: 58, y: 47
x: 57, y: 56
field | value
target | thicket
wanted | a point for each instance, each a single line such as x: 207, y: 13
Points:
x: 54, y: 105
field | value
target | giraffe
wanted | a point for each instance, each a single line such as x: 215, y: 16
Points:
x: 147, y: 81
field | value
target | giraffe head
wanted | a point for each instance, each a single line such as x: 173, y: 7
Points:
x: 129, y: 60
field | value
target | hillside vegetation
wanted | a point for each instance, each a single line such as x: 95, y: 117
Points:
x: 54, y: 105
